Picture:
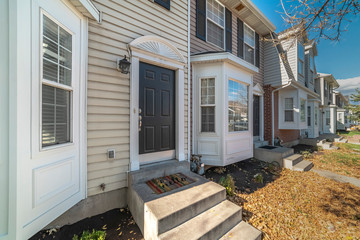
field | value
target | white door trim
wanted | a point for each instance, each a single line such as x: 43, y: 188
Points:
x: 167, y: 56
x: 258, y: 91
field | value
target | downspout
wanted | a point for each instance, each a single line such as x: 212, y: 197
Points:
x: 272, y: 108
x: 188, y: 81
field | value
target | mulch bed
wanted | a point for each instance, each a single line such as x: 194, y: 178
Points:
x: 243, y: 173
x: 118, y: 224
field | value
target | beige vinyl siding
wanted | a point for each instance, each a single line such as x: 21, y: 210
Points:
x: 273, y: 68
x: 198, y: 46
x: 108, y: 103
x: 291, y: 52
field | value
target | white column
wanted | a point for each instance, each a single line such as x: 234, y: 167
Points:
x: 180, y: 122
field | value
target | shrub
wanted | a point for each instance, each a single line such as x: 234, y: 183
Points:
x: 259, y: 178
x: 94, y: 235
x: 306, y: 154
x: 228, y: 183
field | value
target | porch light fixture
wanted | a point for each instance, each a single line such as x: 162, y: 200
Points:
x: 123, y: 65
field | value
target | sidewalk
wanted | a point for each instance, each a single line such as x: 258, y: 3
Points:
x: 337, y: 177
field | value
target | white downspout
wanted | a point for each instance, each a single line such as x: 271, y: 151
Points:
x: 188, y: 80
x: 272, y: 108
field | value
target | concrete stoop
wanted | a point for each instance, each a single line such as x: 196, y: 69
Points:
x: 296, y: 162
x: 259, y: 143
x: 340, y: 140
x: 276, y: 154
x: 328, y: 146
x: 195, y: 211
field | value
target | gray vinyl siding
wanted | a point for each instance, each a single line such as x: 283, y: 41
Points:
x: 273, y: 68
x: 308, y: 76
x: 197, y: 45
x: 108, y: 103
x: 4, y: 117
x: 291, y: 51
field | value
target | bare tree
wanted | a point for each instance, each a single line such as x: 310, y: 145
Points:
x: 325, y: 19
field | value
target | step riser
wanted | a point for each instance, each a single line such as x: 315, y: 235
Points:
x: 185, y: 214
x: 224, y: 227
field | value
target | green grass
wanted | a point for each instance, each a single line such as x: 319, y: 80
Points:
x: 349, y: 146
x: 349, y: 134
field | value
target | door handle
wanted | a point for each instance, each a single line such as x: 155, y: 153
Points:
x: 140, y: 120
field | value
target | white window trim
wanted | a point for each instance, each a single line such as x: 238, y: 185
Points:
x: 253, y: 47
x: 223, y: 27
x: 227, y: 107
x: 207, y: 105
x: 288, y: 109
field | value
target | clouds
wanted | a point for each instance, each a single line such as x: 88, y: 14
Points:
x: 348, y: 85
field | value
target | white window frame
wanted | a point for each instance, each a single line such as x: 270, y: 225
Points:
x: 55, y: 85
x: 301, y: 60
x: 207, y: 105
x: 289, y: 109
x: 253, y: 47
x: 248, y: 106
x: 302, y: 111
x: 223, y: 27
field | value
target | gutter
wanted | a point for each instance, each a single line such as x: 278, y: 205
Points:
x: 188, y: 82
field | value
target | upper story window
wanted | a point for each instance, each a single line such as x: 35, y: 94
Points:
x: 215, y: 23
x: 326, y: 89
x: 207, y: 105
x: 238, y: 109
x: 289, y: 110
x: 249, y: 46
x: 300, y: 58
x: 164, y: 3
x: 56, y: 84
x: 312, y: 67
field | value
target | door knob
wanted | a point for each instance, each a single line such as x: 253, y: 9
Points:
x: 140, y: 119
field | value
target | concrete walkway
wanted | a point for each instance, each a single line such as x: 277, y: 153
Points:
x: 337, y: 177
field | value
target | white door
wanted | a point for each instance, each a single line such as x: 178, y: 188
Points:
x: 53, y: 181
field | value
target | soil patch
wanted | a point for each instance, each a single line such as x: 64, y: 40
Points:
x: 118, y: 224
x: 243, y: 173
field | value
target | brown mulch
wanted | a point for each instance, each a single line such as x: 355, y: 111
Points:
x: 303, y: 205
x: 118, y: 224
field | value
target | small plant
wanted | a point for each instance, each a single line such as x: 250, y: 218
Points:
x: 259, y: 178
x: 94, y: 235
x: 228, y: 183
x: 319, y: 148
x: 306, y: 154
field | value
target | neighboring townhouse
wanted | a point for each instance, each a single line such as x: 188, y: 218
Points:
x: 343, y: 114
x: 326, y: 84
x: 292, y: 101
x: 227, y: 64
x: 74, y: 122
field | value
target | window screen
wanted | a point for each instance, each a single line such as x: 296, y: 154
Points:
x: 56, y: 83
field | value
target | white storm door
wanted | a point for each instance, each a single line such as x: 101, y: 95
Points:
x: 52, y: 177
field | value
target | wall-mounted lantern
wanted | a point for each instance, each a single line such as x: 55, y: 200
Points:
x: 123, y: 65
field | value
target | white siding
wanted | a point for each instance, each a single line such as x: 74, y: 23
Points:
x: 109, y: 90
x: 4, y: 123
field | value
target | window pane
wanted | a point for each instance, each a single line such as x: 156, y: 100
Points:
x: 300, y: 51
x: 215, y: 12
x: 207, y: 119
x: 302, y: 110
x: 249, y: 36
x: 249, y: 54
x: 316, y: 115
x: 289, y: 103
x: 301, y: 67
x: 289, y: 115
x: 238, y: 113
x: 207, y: 91
x: 57, y: 55
x: 55, y: 116
x: 215, y: 34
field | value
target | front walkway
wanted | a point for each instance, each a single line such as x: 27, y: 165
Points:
x: 338, y: 177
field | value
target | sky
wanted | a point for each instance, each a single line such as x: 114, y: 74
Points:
x: 341, y: 59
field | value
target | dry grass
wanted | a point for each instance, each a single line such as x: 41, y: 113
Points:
x: 345, y: 161
x: 301, y: 205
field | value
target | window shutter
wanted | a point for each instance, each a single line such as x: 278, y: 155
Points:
x: 201, y: 19
x: 240, y: 38
x: 257, y: 50
x: 228, y: 27
x: 164, y: 3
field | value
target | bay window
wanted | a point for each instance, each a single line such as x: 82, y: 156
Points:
x: 207, y: 105
x: 289, y: 109
x: 56, y: 84
x: 316, y: 116
x: 238, y: 106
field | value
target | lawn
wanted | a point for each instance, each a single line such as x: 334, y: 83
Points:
x: 303, y: 205
x: 344, y: 161
x: 349, y: 133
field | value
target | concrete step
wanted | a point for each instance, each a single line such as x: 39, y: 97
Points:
x: 258, y: 144
x: 242, y: 231
x: 327, y: 145
x: 338, y: 139
x: 170, y: 211
x: 334, y: 148
x: 303, y: 166
x: 321, y: 142
x: 292, y: 160
x: 211, y: 224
